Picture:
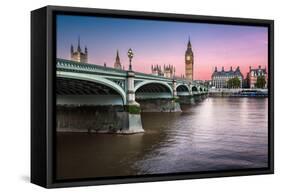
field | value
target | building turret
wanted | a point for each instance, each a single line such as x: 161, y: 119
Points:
x: 78, y: 55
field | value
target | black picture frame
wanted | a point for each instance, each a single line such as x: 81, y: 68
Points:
x: 43, y: 111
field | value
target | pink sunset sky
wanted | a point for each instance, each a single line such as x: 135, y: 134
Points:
x: 162, y: 42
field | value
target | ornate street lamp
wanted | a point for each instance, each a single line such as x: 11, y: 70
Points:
x: 130, y: 55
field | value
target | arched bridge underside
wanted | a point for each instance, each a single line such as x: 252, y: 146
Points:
x: 183, y: 90
x: 153, y: 91
x: 66, y: 86
x: 79, y: 83
x: 75, y: 91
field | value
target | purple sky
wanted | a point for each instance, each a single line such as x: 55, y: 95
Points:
x: 162, y: 42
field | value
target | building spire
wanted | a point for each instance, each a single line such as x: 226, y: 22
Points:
x: 189, y: 43
x: 117, y: 63
x: 117, y: 55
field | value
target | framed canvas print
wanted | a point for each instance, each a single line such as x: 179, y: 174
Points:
x: 126, y: 96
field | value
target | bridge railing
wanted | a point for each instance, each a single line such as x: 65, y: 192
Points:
x: 67, y: 64
x: 86, y: 67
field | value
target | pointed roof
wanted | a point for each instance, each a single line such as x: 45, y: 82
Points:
x: 189, y: 43
x: 230, y: 72
x: 117, y: 55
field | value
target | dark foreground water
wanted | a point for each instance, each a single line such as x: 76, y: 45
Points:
x: 215, y: 134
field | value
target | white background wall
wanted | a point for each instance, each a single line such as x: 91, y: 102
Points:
x: 15, y: 95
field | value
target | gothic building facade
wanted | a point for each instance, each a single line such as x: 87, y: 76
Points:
x: 189, y: 62
x: 168, y: 70
x: 78, y: 55
x: 220, y: 78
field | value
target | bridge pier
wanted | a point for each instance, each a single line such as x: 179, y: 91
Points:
x: 187, y: 100
x: 159, y: 105
x: 192, y: 99
x: 91, y: 118
x: 98, y: 119
x: 132, y: 108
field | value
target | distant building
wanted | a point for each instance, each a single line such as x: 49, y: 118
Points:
x: 220, y: 78
x: 253, y: 74
x: 117, y: 63
x: 189, y: 62
x: 156, y: 70
x: 168, y: 71
x: 78, y: 55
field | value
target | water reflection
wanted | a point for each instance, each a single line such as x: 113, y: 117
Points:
x: 215, y: 134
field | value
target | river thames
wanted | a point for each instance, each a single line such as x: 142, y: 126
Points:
x: 215, y: 134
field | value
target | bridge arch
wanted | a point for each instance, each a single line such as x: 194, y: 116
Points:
x: 164, y: 90
x: 182, y: 88
x: 194, y: 89
x: 95, y: 79
x: 154, y: 82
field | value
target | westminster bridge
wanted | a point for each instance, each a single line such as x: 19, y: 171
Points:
x: 84, y: 90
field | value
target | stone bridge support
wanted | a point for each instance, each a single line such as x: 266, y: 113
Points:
x: 132, y: 108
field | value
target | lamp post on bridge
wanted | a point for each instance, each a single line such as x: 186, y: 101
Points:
x: 130, y: 55
x: 134, y: 124
x: 130, y: 81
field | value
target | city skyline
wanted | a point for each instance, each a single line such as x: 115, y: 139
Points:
x: 162, y: 42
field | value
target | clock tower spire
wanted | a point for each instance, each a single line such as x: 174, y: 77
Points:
x: 189, y: 61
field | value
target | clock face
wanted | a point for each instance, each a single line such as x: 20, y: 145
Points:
x: 188, y: 58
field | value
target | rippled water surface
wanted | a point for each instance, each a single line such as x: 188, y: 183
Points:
x: 215, y: 134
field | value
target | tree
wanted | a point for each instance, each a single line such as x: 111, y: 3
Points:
x: 260, y: 82
x: 234, y: 83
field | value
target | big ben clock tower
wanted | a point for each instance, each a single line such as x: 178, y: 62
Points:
x: 189, y: 61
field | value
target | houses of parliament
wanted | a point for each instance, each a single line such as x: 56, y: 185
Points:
x: 167, y: 71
